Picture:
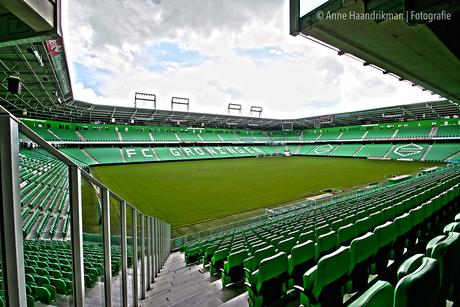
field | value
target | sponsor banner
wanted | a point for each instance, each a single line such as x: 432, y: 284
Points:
x: 320, y: 196
x: 405, y: 159
x: 378, y: 158
x: 56, y: 50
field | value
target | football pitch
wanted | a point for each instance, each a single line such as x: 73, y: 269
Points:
x: 190, y: 192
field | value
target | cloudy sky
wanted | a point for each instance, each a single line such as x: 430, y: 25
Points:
x: 215, y: 52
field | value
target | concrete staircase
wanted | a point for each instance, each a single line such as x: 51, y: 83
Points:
x: 182, y: 285
x: 192, y: 285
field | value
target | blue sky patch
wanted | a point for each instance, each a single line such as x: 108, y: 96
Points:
x: 90, y: 77
x: 171, y: 55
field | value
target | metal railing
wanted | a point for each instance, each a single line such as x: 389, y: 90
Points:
x: 142, y: 239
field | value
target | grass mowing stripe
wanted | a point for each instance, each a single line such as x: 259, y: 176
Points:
x: 189, y: 192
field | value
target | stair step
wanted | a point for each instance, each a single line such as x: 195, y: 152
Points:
x: 192, y: 289
x: 179, y: 285
x: 239, y: 301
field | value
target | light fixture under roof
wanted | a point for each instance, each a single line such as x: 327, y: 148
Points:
x: 37, y: 55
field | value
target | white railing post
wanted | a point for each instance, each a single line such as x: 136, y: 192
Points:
x: 11, y: 244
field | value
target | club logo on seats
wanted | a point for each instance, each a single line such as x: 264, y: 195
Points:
x: 408, y: 150
x: 321, y: 150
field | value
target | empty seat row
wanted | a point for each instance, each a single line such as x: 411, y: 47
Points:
x: 423, y: 280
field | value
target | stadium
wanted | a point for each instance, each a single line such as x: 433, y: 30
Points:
x: 132, y: 206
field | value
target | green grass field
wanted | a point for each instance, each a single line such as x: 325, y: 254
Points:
x: 189, y: 192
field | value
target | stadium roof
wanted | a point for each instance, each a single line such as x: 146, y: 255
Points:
x: 37, y: 57
x: 78, y: 111
x: 31, y: 52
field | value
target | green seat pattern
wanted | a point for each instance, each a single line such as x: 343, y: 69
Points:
x: 420, y: 287
x: 379, y: 295
x: 323, y: 284
x: 302, y: 258
x: 269, y: 282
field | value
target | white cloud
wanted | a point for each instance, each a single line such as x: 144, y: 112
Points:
x: 109, y: 43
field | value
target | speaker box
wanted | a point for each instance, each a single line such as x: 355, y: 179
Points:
x: 14, y: 85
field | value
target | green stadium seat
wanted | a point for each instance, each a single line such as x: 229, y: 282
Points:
x: 417, y: 216
x: 30, y: 269
x: 388, y: 213
x: 217, y: 261
x: 336, y: 224
x: 105, y: 155
x: 428, y: 217
x: 419, y: 282
x: 286, y: 245
x: 302, y: 258
x: 90, y: 281
x: 376, y: 219
x: 42, y: 293
x: 379, y: 295
x: 275, y: 240
x: 135, y: 136
x: 209, y: 253
x: 256, y: 246
x: 323, y: 284
x: 350, y: 219
x: 399, y: 208
x: 452, y: 227
x: 61, y: 286
x: 30, y: 301
x: 325, y: 244
x: 42, y: 280
x: 100, y: 135
x: 252, y: 263
x: 345, y: 150
x: 77, y: 153
x: 361, y: 215
x: 403, y: 227
x: 373, y: 150
x: 386, y: 235
x: 445, y: 249
x: 269, y: 282
x: 306, y: 236
x: 362, y: 226
x: 362, y: 251
x: 414, y: 132
x: 322, y: 230
x: 346, y: 234
x: 232, y: 270
x: 295, y: 234
x: 29, y: 278
x: 192, y: 255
